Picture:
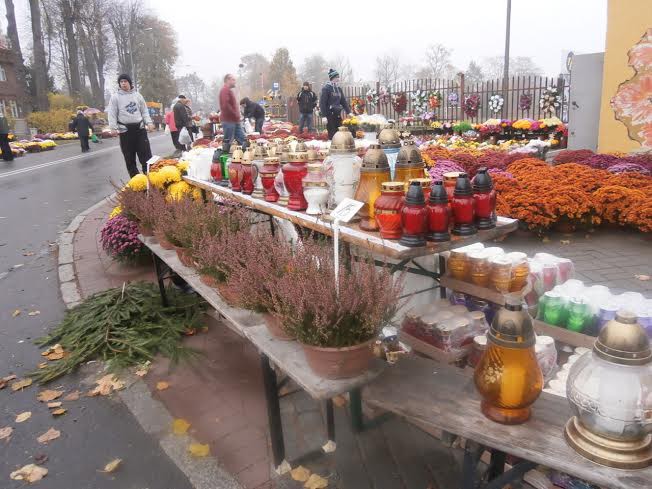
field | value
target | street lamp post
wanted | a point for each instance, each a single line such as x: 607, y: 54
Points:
x: 506, y: 61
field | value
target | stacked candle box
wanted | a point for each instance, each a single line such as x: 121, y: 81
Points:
x: 584, y: 309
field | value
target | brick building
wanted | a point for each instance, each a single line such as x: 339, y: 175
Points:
x: 9, y: 89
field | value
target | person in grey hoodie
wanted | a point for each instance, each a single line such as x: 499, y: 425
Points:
x: 128, y: 114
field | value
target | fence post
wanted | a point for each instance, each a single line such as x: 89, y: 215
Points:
x: 460, y: 104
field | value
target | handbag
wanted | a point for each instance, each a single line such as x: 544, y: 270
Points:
x: 184, y: 136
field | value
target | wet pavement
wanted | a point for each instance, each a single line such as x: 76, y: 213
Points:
x: 39, y: 195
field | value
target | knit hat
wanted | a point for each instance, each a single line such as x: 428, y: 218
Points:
x: 124, y: 76
x: 332, y: 74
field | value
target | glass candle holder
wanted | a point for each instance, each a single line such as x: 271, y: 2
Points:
x: 426, y: 186
x: 508, y: 376
x: 293, y: 173
x: 501, y: 273
x: 438, y: 214
x: 480, y: 268
x: 579, y: 315
x: 235, y: 170
x: 553, y: 309
x: 268, y: 174
x: 520, y: 271
x: 414, y: 217
x: 463, y: 207
x: 375, y: 170
x: 249, y: 176
x: 260, y: 153
x: 216, y: 169
x: 388, y: 208
x: 450, y: 179
x: 485, y: 200
x: 224, y: 163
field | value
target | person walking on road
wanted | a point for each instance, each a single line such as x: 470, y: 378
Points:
x: 174, y: 132
x: 307, y: 102
x: 129, y: 115
x: 252, y: 110
x: 332, y: 102
x: 7, y: 154
x: 230, y: 114
x: 82, y: 126
x: 182, y: 118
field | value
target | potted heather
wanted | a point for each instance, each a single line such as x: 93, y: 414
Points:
x: 336, y: 325
x: 119, y: 238
x: 181, y: 226
x: 255, y: 272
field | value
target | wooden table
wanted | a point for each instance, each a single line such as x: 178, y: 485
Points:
x: 287, y: 356
x: 444, y: 397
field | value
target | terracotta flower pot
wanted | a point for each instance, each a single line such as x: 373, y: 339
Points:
x: 274, y: 327
x: 339, y: 363
x: 162, y: 240
x: 208, y: 280
x: 184, y: 256
x: 145, y: 230
x: 227, y: 293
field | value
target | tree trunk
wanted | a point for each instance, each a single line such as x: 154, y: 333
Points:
x: 24, y: 100
x: 73, y: 50
x: 39, y: 66
x: 89, y: 63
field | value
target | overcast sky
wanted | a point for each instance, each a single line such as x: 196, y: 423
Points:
x: 213, y: 34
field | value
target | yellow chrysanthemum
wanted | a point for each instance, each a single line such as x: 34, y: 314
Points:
x: 115, y: 212
x: 196, y: 194
x: 183, y: 166
x: 178, y: 190
x: 171, y: 174
x: 138, y: 183
x: 156, y: 179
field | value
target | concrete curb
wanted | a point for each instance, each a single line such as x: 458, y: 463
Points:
x: 203, y: 473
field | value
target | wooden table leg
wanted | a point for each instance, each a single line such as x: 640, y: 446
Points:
x: 273, y: 411
x: 355, y: 405
x: 330, y: 420
x: 496, y: 465
x: 160, y: 279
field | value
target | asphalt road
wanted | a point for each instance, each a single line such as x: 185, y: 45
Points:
x: 39, y: 195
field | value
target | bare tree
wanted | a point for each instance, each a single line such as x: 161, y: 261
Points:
x: 39, y: 66
x: 387, y: 69
x: 192, y: 86
x: 343, y: 66
x: 254, y: 75
x: 473, y: 75
x: 518, y: 66
x: 315, y: 70
x: 14, y: 43
x: 438, y: 61
x: 125, y: 19
x: 69, y: 9
x: 94, y: 36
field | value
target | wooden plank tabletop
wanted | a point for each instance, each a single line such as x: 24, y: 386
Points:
x: 351, y: 233
x: 445, y: 397
x: 289, y: 357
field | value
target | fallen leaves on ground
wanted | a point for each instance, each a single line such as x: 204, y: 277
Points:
x: 59, y: 411
x: 41, y: 458
x: 29, y: 473
x: 143, y: 369
x: 106, y: 385
x: 161, y: 386
x: 199, y: 450
x: 316, y: 482
x: 54, y: 404
x: 23, y: 416
x: 28, y: 253
x: 112, y: 466
x: 5, y: 380
x: 300, y: 474
x: 180, y: 426
x: 33, y: 313
x: 73, y: 396
x: 565, y: 241
x: 5, y: 433
x: 15, y: 313
x: 642, y: 278
x: 49, y: 395
x: 21, y: 384
x: 49, y: 435
x: 55, y: 352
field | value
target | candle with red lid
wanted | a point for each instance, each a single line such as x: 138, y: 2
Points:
x: 463, y: 207
x: 414, y: 217
x: 438, y: 214
x: 485, y: 200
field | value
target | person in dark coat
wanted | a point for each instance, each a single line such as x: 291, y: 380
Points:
x: 82, y: 126
x: 7, y: 154
x: 182, y: 115
x: 252, y: 110
x: 332, y: 102
x: 307, y: 102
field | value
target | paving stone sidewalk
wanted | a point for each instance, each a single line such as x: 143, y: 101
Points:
x: 221, y: 393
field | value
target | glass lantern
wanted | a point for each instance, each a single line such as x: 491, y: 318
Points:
x: 610, y: 394
x: 374, y: 171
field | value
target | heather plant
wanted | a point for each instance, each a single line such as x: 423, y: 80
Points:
x: 119, y: 238
x: 316, y: 312
x: 183, y: 222
x: 215, y: 255
x: 141, y: 207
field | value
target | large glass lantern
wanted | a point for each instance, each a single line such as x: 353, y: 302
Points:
x: 610, y: 394
x: 409, y: 164
x: 390, y: 142
x: 342, y: 167
x: 374, y: 171
x: 508, y: 376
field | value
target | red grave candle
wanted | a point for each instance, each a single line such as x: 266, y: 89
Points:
x: 438, y: 214
x: 463, y: 207
x: 293, y: 173
x: 414, y: 217
x: 485, y: 200
x: 388, y: 209
x: 268, y: 176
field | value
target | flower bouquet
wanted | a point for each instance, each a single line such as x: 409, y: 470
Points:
x: 357, y: 105
x: 550, y: 101
x: 434, y: 100
x: 472, y: 105
x: 496, y: 103
x: 399, y: 102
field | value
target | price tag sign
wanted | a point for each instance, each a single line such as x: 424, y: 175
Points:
x: 345, y: 211
x: 152, y: 161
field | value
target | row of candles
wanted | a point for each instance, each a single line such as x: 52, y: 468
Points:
x: 409, y: 207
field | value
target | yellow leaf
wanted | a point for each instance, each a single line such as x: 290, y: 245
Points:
x: 106, y: 385
x: 58, y: 411
x: 180, y: 426
x: 33, y: 313
x: 112, y: 466
x: 73, y: 396
x: 54, y: 405
x: 161, y: 386
x: 300, y: 474
x: 141, y: 372
x: 199, y: 450
x: 5, y: 433
x: 8, y: 378
x: 54, y: 356
x: 21, y: 384
x: 49, y: 435
x: 29, y: 473
x: 23, y: 416
x: 316, y: 482
x: 642, y: 278
x: 48, y: 395
x: 15, y: 313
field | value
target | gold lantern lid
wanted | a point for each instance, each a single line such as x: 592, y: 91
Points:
x: 375, y: 159
x: 272, y: 160
x: 342, y: 142
x: 237, y: 154
x: 623, y: 341
x: 409, y: 155
x: 392, y: 187
x: 512, y: 326
x: 313, y: 155
x: 247, y: 157
x: 283, y: 150
x: 259, y: 152
x: 389, y: 137
x: 296, y: 156
x: 300, y: 147
x: 234, y: 144
x: 315, y: 167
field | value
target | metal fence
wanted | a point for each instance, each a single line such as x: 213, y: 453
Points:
x: 515, y: 95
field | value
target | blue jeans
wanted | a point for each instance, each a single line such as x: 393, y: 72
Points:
x: 305, y: 120
x: 232, y: 130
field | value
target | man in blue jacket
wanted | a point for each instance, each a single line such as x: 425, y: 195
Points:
x: 332, y: 102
